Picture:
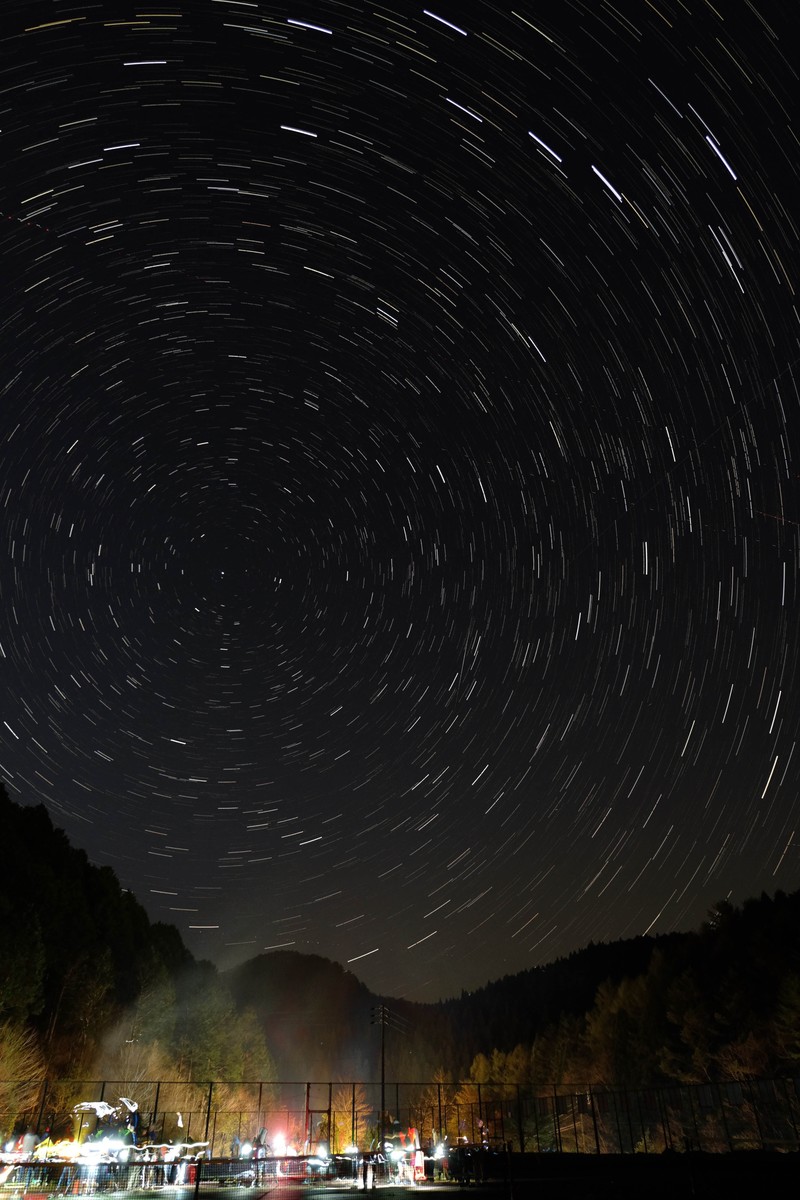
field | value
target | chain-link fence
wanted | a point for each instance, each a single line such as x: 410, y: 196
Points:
x: 250, y: 1121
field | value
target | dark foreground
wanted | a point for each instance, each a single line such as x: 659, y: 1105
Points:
x: 749, y: 1175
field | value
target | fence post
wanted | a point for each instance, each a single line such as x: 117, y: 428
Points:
x: 594, y: 1122
x: 330, y: 1119
x: 627, y: 1096
x: 38, y: 1125
x: 208, y: 1110
x: 556, y: 1121
x: 754, y: 1103
x: 791, y: 1113
x: 213, y: 1135
x: 155, y: 1103
x: 520, y: 1122
x: 724, y: 1118
x: 617, y: 1122
x: 574, y: 1122
x: 642, y: 1123
x: 690, y: 1091
x: 663, y: 1113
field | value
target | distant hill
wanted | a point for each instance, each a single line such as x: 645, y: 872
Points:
x: 316, y: 1016
x: 721, y: 1000
x: 100, y: 988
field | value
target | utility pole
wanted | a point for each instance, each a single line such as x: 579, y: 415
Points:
x: 380, y: 1016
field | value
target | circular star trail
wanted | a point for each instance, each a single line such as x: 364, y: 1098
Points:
x: 399, y: 467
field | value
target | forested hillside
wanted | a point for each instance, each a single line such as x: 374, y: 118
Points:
x: 90, y: 988
x: 719, y: 1003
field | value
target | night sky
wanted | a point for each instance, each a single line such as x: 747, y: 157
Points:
x: 399, y: 467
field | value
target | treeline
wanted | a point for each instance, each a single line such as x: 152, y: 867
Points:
x: 91, y: 989
x: 721, y: 1003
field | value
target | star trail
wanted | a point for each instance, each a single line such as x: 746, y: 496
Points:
x: 398, y: 476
